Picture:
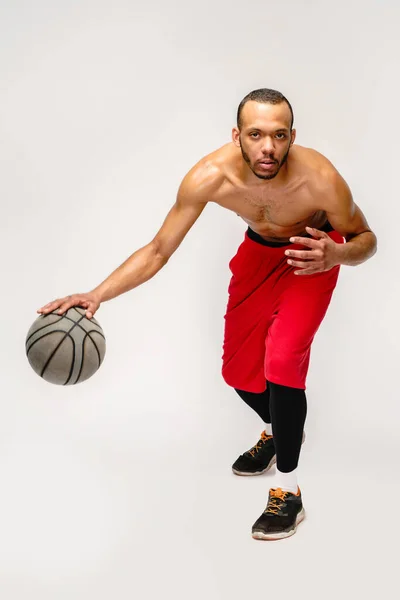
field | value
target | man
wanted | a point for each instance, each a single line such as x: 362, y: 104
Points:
x: 298, y: 209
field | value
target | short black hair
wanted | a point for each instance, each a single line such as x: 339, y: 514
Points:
x: 268, y: 97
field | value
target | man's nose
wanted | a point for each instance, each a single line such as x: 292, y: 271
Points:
x: 268, y: 146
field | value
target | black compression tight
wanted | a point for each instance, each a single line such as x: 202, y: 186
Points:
x: 258, y: 402
x: 286, y: 409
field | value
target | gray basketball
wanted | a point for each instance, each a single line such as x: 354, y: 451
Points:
x: 65, y: 349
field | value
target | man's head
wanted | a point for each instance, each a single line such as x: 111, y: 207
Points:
x: 264, y: 131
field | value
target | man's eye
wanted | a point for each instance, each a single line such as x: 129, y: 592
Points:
x: 282, y: 134
x: 252, y: 134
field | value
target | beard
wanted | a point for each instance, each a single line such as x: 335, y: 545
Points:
x: 263, y: 176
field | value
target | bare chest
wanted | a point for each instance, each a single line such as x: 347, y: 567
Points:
x: 275, y: 215
x: 264, y: 206
x: 275, y: 209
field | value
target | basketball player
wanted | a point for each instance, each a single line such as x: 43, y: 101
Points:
x: 299, y: 212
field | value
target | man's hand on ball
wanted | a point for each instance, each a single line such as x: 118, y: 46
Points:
x: 89, y: 301
x: 322, y: 255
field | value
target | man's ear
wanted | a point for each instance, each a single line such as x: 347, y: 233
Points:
x: 236, y: 136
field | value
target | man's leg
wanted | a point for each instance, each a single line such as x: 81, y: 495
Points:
x: 301, y: 309
x: 287, y: 408
x: 261, y: 456
x: 259, y: 402
x: 288, y: 413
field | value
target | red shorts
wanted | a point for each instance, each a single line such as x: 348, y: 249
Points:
x: 272, y: 315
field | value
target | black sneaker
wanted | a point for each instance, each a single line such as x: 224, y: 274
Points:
x: 279, y: 520
x: 259, y: 459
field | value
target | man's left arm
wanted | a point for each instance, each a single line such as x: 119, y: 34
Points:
x: 348, y: 220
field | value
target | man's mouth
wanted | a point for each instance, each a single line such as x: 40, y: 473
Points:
x: 267, y: 164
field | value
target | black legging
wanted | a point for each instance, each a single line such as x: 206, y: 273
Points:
x: 286, y: 409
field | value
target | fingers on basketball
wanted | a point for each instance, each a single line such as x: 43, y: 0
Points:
x: 71, y: 301
x: 61, y: 305
x: 50, y: 306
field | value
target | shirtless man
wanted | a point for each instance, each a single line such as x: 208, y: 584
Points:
x: 299, y: 212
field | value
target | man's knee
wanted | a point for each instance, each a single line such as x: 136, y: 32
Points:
x: 287, y: 368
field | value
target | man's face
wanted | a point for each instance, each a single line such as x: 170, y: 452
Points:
x: 265, y: 137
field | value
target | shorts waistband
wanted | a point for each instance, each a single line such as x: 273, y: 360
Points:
x: 259, y: 239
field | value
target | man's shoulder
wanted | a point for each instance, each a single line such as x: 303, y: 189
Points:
x: 207, y: 176
x: 324, y: 180
x: 314, y: 159
x: 217, y: 161
x: 322, y: 173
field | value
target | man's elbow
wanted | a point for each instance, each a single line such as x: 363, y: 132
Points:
x: 162, y: 251
x: 352, y: 235
x: 369, y: 242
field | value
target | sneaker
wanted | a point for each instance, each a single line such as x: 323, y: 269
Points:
x: 279, y: 520
x: 259, y: 459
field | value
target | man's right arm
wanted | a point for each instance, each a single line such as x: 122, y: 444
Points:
x: 143, y: 264
x: 196, y: 189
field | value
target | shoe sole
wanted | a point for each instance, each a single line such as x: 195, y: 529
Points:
x: 271, y: 463
x: 246, y: 474
x: 259, y: 535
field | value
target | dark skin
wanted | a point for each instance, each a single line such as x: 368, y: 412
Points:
x: 295, y: 195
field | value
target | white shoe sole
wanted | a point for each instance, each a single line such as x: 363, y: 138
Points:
x: 271, y: 463
x: 258, y: 535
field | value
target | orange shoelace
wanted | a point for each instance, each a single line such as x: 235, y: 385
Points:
x: 264, y: 438
x: 276, y: 500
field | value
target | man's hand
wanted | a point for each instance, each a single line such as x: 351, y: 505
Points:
x: 88, y: 301
x: 322, y: 256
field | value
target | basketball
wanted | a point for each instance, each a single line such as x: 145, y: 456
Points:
x: 65, y: 349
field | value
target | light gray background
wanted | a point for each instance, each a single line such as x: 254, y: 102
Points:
x: 121, y: 487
